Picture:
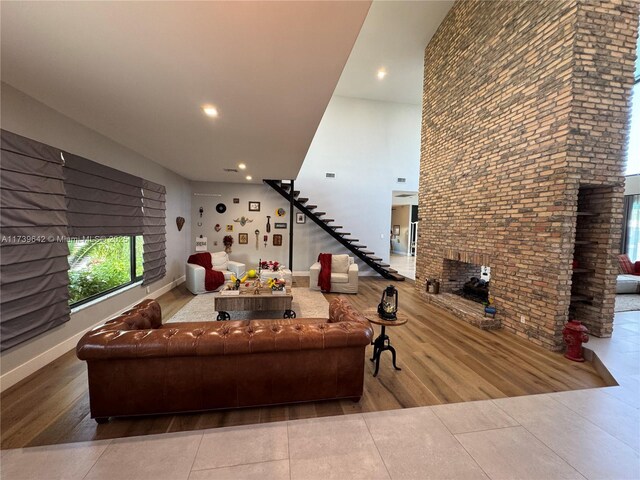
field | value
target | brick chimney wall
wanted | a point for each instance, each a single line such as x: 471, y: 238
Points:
x: 524, y: 104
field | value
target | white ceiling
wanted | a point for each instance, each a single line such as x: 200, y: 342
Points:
x: 393, y: 37
x: 138, y: 72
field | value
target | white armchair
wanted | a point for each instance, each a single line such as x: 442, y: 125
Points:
x: 344, y: 275
x: 221, y: 263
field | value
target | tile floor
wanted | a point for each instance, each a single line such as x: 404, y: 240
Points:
x: 593, y: 434
x: 406, y: 266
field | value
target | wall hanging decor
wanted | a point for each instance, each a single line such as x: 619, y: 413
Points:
x: 228, y: 242
x: 221, y: 208
x: 254, y: 206
x: 266, y: 240
x: 217, y: 228
x: 243, y: 238
x: 268, y: 224
x: 301, y: 218
x: 229, y: 228
x: 257, y: 232
x: 281, y: 212
x: 180, y: 223
x: 277, y: 240
x: 280, y: 225
x: 201, y: 244
x: 242, y: 220
x: 201, y: 210
x: 236, y: 200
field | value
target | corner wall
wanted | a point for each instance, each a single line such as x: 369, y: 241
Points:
x: 524, y: 102
x: 368, y: 145
x: 26, y: 116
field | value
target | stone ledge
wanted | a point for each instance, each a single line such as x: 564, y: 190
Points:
x: 470, y: 312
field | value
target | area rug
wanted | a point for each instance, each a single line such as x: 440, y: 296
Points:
x: 627, y: 303
x: 306, y: 303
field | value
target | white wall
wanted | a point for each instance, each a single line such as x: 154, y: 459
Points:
x: 368, y: 145
x: 26, y: 116
x: 632, y: 185
x: 269, y: 200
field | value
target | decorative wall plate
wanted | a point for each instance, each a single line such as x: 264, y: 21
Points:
x: 221, y: 208
x: 281, y: 212
x: 180, y: 223
x: 217, y: 228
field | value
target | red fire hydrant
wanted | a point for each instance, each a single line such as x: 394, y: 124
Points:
x: 574, y: 335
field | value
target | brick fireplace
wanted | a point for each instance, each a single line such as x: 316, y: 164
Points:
x: 524, y: 127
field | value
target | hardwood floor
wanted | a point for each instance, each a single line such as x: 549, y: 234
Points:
x: 443, y: 360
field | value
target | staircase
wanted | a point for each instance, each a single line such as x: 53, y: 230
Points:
x: 327, y: 224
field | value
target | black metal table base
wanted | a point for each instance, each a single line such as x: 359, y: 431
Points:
x: 381, y: 344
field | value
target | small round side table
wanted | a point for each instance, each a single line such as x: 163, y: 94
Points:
x: 382, y: 342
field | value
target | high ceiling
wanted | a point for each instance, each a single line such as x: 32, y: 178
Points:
x: 393, y: 37
x: 139, y: 72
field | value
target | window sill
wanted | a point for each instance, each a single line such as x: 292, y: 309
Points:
x: 109, y: 295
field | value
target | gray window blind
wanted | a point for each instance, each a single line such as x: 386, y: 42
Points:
x: 154, y: 231
x: 34, y: 295
x: 101, y: 201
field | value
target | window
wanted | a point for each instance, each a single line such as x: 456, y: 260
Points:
x: 633, y: 150
x: 100, y: 266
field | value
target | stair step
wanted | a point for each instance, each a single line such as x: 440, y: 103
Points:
x: 384, y: 265
x: 302, y: 200
x: 396, y: 277
x: 391, y: 270
x: 335, y: 227
x: 375, y: 258
x: 342, y: 234
x: 319, y: 214
x: 327, y: 220
x: 367, y: 252
x: 351, y: 240
x: 311, y: 207
x: 359, y: 246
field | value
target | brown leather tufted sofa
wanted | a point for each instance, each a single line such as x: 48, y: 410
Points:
x: 138, y: 366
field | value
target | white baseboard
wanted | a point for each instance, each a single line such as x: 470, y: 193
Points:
x: 23, y: 371
x: 302, y: 273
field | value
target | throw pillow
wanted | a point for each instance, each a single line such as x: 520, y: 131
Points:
x: 220, y: 261
x: 339, y: 263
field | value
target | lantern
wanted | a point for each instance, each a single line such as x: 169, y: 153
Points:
x: 388, y: 306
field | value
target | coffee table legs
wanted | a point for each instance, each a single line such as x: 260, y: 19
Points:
x: 381, y: 344
x: 289, y: 314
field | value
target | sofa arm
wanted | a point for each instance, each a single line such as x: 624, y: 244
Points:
x: 353, y: 274
x: 195, y: 278
x: 237, y: 268
x: 314, y: 273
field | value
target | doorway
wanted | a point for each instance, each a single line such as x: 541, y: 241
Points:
x: 403, y: 232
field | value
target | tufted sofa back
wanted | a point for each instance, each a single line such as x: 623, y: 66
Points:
x: 140, y: 333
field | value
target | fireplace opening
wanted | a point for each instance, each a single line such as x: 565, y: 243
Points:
x: 467, y: 280
x: 476, y: 289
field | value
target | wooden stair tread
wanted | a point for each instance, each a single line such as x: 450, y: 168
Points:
x: 302, y: 200
x: 311, y: 207
x: 351, y: 240
x: 327, y: 220
x: 319, y: 214
x: 335, y: 227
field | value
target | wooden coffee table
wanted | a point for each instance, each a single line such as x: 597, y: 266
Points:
x: 382, y: 342
x: 248, y: 301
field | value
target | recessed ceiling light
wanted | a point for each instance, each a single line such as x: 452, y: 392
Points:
x: 249, y: 177
x: 210, y: 111
x: 382, y: 73
x: 242, y: 166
